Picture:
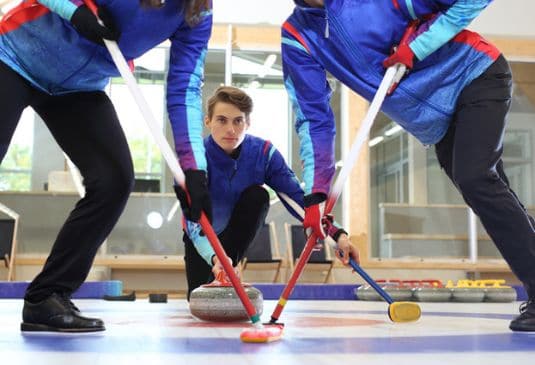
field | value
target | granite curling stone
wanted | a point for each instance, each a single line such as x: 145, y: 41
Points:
x: 219, y: 302
x: 367, y: 293
x: 436, y: 295
x: 500, y: 295
x: 398, y: 292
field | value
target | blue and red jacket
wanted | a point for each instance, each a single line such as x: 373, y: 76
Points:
x: 38, y: 41
x: 259, y: 163
x: 350, y: 39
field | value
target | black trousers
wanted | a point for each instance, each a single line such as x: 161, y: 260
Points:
x: 471, y: 155
x: 86, y: 127
x: 245, y: 222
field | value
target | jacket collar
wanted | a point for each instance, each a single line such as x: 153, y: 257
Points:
x: 218, y: 155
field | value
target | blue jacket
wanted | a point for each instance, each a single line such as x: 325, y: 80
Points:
x: 38, y: 41
x: 259, y: 163
x: 350, y: 39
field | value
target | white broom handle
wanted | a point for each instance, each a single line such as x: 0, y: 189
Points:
x: 391, y: 74
x: 145, y: 110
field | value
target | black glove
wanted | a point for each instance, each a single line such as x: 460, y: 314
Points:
x: 86, y: 23
x: 197, y: 187
x: 331, y: 228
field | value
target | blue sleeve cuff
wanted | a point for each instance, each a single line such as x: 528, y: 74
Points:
x: 446, y: 25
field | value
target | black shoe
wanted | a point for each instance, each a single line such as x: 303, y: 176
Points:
x: 57, y: 314
x: 526, y: 320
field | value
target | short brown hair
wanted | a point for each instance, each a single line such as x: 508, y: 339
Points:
x: 192, y: 8
x: 230, y: 95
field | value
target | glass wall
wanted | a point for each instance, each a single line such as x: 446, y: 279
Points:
x: 415, y: 209
x: 150, y: 73
x: 35, y: 171
x: 151, y: 221
x: 16, y: 168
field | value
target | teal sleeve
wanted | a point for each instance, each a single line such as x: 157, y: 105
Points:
x: 64, y: 8
x: 201, y: 243
x: 446, y: 26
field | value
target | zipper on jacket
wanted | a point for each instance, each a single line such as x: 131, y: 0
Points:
x: 235, y: 169
x: 326, y: 23
x: 356, y: 52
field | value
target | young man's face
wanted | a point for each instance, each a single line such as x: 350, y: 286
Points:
x: 227, y: 126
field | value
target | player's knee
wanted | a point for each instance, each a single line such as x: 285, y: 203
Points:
x: 115, y: 184
x: 256, y: 194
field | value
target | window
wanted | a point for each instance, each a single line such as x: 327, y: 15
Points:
x: 259, y: 73
x: 16, y: 167
x: 399, y: 164
x: 150, y: 73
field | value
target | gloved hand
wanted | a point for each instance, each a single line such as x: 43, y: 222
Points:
x: 330, y: 228
x: 314, y: 206
x: 197, y: 187
x: 86, y: 23
x: 402, y: 54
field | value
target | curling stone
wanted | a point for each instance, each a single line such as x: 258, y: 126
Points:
x: 432, y: 290
x: 496, y: 291
x: 468, y: 291
x: 468, y: 295
x: 397, y: 292
x: 500, y: 295
x: 432, y: 294
x: 367, y: 293
x: 219, y: 302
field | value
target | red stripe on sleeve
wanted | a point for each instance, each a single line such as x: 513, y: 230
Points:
x: 478, y: 43
x: 23, y: 13
x: 290, y: 29
x: 266, y: 147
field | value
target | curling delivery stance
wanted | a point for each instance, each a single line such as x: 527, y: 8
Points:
x: 238, y: 165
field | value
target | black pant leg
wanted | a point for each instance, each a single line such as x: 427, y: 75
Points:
x: 198, y: 272
x: 15, y: 95
x: 504, y: 177
x: 246, y: 220
x: 86, y: 127
x: 471, y: 152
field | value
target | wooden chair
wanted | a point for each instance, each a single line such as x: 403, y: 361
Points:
x: 319, y: 259
x: 8, y: 240
x: 264, y: 253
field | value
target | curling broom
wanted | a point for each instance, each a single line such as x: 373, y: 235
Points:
x: 259, y: 333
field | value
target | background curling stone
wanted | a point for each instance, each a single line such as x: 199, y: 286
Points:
x: 469, y: 295
x: 157, y: 298
x: 367, y: 293
x: 500, y: 295
x: 398, y: 293
x: 222, y: 304
x: 432, y: 294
